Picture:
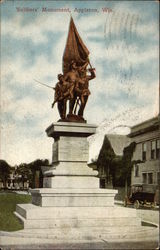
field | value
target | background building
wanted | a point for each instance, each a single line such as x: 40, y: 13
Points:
x: 112, y: 148
x: 146, y: 170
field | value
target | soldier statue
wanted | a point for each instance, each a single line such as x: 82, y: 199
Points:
x: 73, y: 87
x: 82, y: 90
x: 63, y: 92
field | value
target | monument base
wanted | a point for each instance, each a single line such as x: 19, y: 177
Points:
x: 76, y: 217
x: 71, y: 205
x: 73, y: 197
x: 78, y: 224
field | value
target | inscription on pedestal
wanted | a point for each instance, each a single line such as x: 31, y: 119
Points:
x: 73, y: 149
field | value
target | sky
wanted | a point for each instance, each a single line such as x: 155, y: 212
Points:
x: 123, y: 42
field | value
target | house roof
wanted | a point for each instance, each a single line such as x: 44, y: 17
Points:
x: 146, y: 126
x: 118, y: 142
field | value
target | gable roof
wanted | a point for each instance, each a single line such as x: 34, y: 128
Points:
x: 118, y: 142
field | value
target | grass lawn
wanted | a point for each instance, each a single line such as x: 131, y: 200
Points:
x: 8, y: 201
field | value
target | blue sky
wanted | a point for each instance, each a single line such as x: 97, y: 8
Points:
x: 123, y: 47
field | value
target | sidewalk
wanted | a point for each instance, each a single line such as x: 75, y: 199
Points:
x: 79, y: 245
x: 146, y: 214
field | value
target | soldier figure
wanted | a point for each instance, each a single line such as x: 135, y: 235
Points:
x: 74, y: 86
x: 63, y: 92
x: 73, y: 77
x: 82, y: 90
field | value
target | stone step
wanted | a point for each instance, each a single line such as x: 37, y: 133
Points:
x: 79, y: 223
x: 108, y: 233
x: 30, y: 211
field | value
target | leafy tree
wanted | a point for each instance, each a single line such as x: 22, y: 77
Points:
x: 35, y: 166
x: 4, y: 172
x: 24, y: 172
x: 127, y: 163
x: 106, y: 158
x: 118, y: 179
x: 27, y: 171
x: 119, y: 167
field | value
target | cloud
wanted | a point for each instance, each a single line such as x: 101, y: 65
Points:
x: 90, y: 23
x: 148, y: 30
x: 35, y: 30
x: 21, y: 75
x: 124, y: 55
x: 17, y: 149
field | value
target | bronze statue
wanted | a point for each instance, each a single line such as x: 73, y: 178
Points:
x: 82, y: 90
x: 73, y: 85
x: 61, y: 102
x: 63, y: 92
x: 73, y: 77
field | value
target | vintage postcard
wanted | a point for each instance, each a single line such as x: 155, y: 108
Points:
x: 79, y: 94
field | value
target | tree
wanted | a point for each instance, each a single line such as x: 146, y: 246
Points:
x: 106, y: 158
x: 35, y: 167
x: 127, y: 163
x: 24, y: 172
x: 119, y: 167
x: 4, y: 172
x: 27, y: 171
x: 118, y: 178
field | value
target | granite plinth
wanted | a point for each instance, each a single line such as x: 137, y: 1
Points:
x: 75, y: 217
x: 70, y: 169
x: 70, y: 156
x: 70, y: 149
x: 83, y: 182
x: 50, y: 197
x: 70, y: 129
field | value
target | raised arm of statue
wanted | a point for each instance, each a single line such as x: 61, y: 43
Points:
x: 92, y: 75
x: 84, y: 66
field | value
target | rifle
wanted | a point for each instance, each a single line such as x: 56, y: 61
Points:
x: 43, y: 84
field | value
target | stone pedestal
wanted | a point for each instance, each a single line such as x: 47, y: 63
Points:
x: 58, y: 197
x: 71, y: 199
x: 70, y: 156
x: 70, y: 182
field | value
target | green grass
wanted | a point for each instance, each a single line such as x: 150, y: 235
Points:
x: 8, y: 201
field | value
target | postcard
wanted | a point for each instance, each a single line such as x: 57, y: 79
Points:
x: 93, y: 63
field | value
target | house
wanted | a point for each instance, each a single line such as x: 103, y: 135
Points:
x: 117, y: 143
x: 146, y: 157
x: 16, y: 181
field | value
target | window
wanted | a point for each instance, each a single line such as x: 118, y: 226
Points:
x: 150, y: 178
x: 136, y: 170
x: 144, y: 147
x: 144, y: 176
x: 153, y: 148
x: 158, y: 149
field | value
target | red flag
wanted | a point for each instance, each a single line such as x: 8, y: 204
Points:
x: 75, y: 49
